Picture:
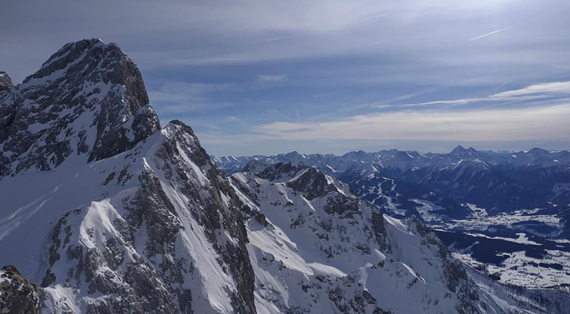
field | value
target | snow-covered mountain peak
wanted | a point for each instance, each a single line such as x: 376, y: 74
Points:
x: 357, y: 154
x: 459, y: 150
x: 307, y: 180
x: 463, y: 152
x: 67, y: 55
x: 5, y: 81
x: 255, y: 166
x: 87, y: 100
x: 537, y: 151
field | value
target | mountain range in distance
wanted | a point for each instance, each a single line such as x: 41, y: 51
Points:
x: 504, y: 213
x: 105, y: 210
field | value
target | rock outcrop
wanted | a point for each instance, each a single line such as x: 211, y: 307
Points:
x: 17, y: 295
x: 5, y: 81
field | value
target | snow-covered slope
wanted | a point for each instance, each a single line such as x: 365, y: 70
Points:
x: 317, y: 248
x: 464, y: 194
x: 130, y: 218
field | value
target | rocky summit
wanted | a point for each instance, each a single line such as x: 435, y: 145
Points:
x: 88, y: 99
x: 107, y: 212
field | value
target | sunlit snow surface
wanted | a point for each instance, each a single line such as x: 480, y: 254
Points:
x: 34, y: 202
x: 292, y: 251
x: 301, y: 257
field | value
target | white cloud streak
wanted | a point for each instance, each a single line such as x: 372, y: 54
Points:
x: 531, y: 92
x: 491, y: 33
x: 490, y: 125
x: 181, y: 97
x: 271, y: 78
x: 544, y: 88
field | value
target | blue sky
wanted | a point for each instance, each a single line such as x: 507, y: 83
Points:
x: 265, y: 77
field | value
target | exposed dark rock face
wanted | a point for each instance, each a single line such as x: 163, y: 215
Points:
x: 379, y: 229
x: 312, y: 183
x: 5, y: 81
x: 87, y: 99
x: 155, y: 277
x: 17, y: 295
x: 307, y: 180
x: 215, y: 216
x: 359, y: 302
x: 454, y: 272
x: 342, y: 206
x: 159, y: 207
x: 277, y: 171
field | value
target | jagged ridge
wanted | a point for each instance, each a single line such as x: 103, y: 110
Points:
x: 88, y: 99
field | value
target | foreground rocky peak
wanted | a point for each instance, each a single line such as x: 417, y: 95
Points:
x: 155, y: 229
x: 88, y: 99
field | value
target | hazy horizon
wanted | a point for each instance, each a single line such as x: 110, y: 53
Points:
x: 442, y: 151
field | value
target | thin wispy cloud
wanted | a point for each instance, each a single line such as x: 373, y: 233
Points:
x: 271, y: 78
x: 275, y: 115
x: 382, y: 106
x: 233, y: 119
x: 544, y: 88
x: 532, y: 92
x: 489, y: 125
x: 180, y: 97
x: 501, y: 86
x: 390, y: 102
x: 491, y: 33
x: 375, y: 16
